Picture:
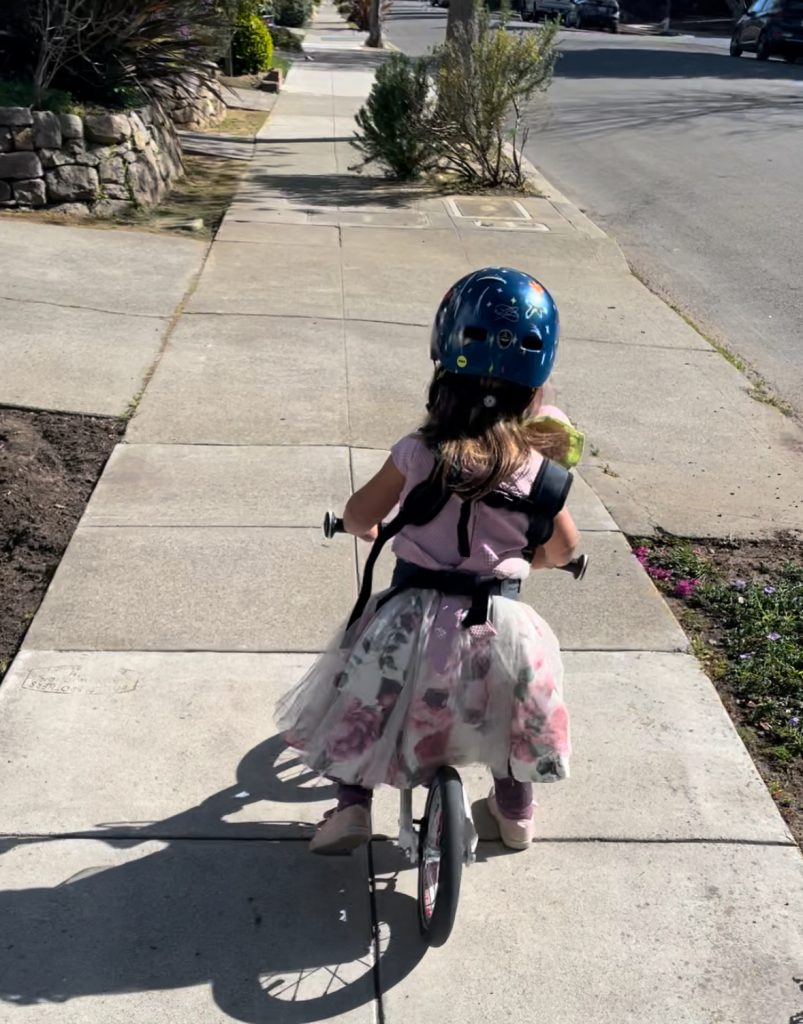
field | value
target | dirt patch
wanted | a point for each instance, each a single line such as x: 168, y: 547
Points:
x: 239, y: 122
x: 241, y: 81
x: 741, y: 604
x: 49, y: 463
x: 204, y: 194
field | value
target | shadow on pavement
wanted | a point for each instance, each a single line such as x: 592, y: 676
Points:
x: 343, y: 60
x: 279, y: 936
x: 322, y: 190
x: 646, y: 63
x: 756, y: 113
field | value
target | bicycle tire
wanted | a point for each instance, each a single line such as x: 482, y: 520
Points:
x: 445, y: 797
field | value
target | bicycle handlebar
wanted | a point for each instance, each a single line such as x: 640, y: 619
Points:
x: 333, y: 524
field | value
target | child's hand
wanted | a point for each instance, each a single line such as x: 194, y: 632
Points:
x: 370, y: 536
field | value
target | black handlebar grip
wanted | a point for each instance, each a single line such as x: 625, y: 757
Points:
x: 332, y: 524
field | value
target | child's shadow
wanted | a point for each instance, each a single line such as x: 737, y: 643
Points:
x: 280, y: 935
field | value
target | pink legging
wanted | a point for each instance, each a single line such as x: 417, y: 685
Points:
x: 514, y: 798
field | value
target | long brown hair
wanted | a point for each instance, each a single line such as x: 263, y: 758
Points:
x: 483, y: 427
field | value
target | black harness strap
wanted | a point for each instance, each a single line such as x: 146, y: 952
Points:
x: 464, y: 584
x: 463, y: 537
x: 427, y: 500
x: 548, y: 495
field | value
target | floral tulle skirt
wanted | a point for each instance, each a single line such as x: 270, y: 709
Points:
x: 408, y: 689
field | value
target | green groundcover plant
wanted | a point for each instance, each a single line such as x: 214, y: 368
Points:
x: 758, y: 650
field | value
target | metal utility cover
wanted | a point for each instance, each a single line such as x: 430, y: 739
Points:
x: 489, y: 208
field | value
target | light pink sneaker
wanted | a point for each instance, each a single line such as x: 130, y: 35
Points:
x: 342, y: 831
x: 516, y: 835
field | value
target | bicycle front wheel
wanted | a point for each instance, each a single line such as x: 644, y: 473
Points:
x: 441, y: 854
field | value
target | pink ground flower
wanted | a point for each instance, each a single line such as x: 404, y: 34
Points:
x: 685, y: 588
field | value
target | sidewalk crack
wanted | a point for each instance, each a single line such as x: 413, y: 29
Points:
x: 87, y: 309
x: 173, y: 320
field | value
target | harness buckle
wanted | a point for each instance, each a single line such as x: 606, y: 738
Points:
x: 510, y: 588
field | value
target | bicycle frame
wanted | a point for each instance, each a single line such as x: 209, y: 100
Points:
x: 409, y: 837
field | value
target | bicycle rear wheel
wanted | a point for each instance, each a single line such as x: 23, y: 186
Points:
x: 441, y: 854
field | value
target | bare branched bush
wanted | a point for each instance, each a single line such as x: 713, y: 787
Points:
x: 463, y: 110
x: 485, y: 79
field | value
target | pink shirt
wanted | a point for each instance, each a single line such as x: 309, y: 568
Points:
x: 497, y: 536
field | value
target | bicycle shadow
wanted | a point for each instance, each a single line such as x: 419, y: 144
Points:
x: 277, y: 935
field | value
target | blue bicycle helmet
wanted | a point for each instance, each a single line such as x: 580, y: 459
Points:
x: 498, y: 323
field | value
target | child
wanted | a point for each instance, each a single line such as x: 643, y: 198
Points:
x: 448, y: 667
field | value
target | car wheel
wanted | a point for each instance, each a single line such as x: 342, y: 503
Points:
x: 763, y: 47
x: 790, y: 58
x: 613, y: 27
x: 735, y: 50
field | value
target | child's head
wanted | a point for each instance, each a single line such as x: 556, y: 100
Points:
x: 494, y: 343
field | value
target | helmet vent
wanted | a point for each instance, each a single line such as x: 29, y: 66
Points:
x: 475, y: 334
x: 532, y: 343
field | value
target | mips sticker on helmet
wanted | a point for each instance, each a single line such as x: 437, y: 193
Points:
x: 462, y: 362
x: 505, y: 338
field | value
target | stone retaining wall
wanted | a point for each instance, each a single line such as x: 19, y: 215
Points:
x: 192, y: 104
x: 101, y: 162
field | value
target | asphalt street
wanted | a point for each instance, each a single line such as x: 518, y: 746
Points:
x: 692, y: 160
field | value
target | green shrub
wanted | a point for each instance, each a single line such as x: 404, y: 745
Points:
x: 284, y: 39
x: 291, y: 13
x: 20, y: 94
x: 105, y: 51
x: 252, y: 46
x: 394, y: 122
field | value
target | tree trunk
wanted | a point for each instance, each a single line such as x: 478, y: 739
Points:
x: 460, y: 13
x: 375, y: 25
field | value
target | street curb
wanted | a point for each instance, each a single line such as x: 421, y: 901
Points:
x: 563, y: 204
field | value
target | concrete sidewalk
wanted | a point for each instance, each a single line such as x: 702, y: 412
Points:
x: 152, y: 854
x: 85, y: 311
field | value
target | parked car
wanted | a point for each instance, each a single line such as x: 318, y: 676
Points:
x: 536, y: 10
x: 770, y: 27
x: 577, y: 13
x: 594, y: 14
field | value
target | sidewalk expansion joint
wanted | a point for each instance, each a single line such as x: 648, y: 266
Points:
x: 252, y: 526
x: 306, y: 316
x: 207, y: 526
x: 142, y: 835
x: 640, y: 344
x: 242, y: 444
x: 662, y: 841
x: 565, y: 648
